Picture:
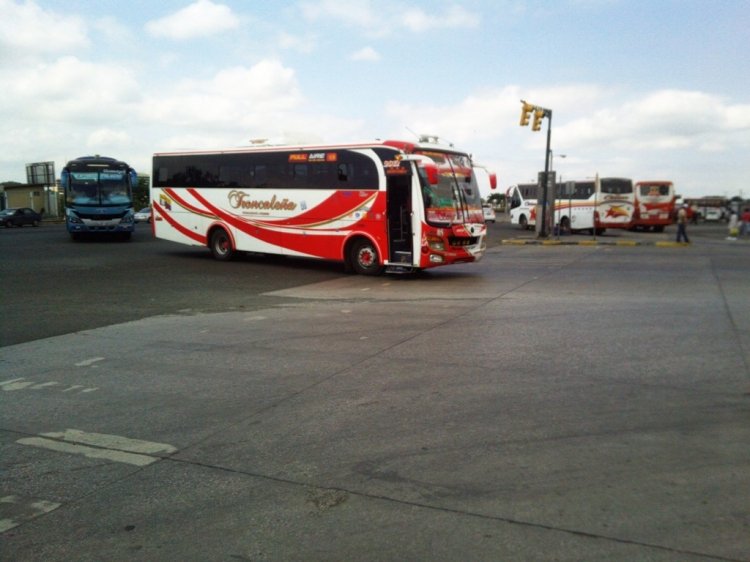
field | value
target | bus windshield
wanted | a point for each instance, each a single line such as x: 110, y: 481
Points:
x: 456, y: 198
x: 616, y: 186
x: 100, y: 187
x: 654, y: 189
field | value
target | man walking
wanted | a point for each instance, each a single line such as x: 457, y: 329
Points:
x: 682, y: 219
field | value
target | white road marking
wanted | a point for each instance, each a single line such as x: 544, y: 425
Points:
x: 89, y: 362
x: 111, y: 441
x: 16, y: 384
x: 100, y: 446
x: 15, y: 510
x: 73, y: 387
x: 89, y: 452
x: 254, y: 318
x: 45, y: 384
x: 21, y: 383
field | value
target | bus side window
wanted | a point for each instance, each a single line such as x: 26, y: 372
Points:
x: 342, y: 172
x: 300, y: 175
x: 261, y: 176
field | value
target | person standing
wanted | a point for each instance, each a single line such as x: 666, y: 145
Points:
x: 745, y: 220
x: 734, y: 227
x: 682, y: 219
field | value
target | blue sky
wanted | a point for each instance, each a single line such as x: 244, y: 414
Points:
x: 655, y: 89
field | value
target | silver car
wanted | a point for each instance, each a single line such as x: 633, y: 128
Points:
x: 144, y: 215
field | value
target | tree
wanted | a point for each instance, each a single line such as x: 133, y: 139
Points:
x: 497, y: 200
x: 141, y: 192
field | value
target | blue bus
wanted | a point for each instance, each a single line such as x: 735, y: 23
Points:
x: 98, y: 196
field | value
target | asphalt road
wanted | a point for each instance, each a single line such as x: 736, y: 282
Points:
x: 55, y: 286
x: 546, y: 403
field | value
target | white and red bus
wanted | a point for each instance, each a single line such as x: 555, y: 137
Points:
x: 390, y: 205
x: 654, y: 205
x: 592, y: 205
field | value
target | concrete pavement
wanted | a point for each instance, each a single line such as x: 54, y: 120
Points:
x: 589, y: 403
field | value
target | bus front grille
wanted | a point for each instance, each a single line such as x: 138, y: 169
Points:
x: 463, y: 242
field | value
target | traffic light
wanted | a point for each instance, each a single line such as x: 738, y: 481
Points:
x: 526, y: 113
x: 538, y: 116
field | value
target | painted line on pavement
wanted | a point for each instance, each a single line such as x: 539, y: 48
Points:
x: 15, y: 510
x: 100, y: 446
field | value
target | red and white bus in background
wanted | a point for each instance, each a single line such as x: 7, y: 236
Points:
x: 654, y: 205
x: 391, y: 205
x: 592, y: 205
x: 520, y: 201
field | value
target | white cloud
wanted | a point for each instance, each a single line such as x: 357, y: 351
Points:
x: 365, y: 54
x: 356, y: 13
x: 238, y: 104
x: 200, y: 19
x: 417, y: 20
x: 381, y: 18
x: 662, y: 120
x: 681, y: 135
x: 108, y: 141
x: 303, y: 44
x: 69, y: 90
x: 233, y: 97
x: 27, y: 30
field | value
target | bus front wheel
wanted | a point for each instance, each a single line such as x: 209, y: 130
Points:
x: 364, y: 258
x: 221, y: 245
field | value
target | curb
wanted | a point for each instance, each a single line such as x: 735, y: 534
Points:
x: 532, y: 242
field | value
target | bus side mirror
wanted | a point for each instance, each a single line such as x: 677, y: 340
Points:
x: 493, y: 181
x: 133, y: 179
x: 431, y: 172
x: 65, y: 179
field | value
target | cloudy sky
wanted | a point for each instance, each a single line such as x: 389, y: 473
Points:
x: 647, y: 89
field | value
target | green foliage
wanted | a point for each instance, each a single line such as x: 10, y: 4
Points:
x: 497, y: 200
x: 141, y: 192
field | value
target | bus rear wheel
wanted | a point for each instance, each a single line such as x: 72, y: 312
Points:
x: 565, y: 226
x: 221, y: 245
x: 523, y: 221
x: 364, y: 258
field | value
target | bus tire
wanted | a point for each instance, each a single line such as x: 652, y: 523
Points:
x: 221, y: 245
x: 524, y: 222
x: 364, y: 258
x: 565, y: 226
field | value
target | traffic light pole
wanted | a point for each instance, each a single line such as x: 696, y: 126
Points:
x: 544, y: 230
x: 539, y: 114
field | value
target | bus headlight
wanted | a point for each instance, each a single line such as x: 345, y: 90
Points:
x: 127, y: 219
x: 436, y: 258
x: 73, y: 218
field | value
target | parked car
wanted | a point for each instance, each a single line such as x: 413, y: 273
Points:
x: 19, y: 217
x: 713, y: 214
x: 144, y: 215
x: 489, y: 213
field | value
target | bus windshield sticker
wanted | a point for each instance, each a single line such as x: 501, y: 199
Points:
x: 395, y: 168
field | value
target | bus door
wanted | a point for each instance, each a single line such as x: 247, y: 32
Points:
x: 399, y: 215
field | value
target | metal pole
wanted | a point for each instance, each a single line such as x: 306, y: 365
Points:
x: 544, y: 231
